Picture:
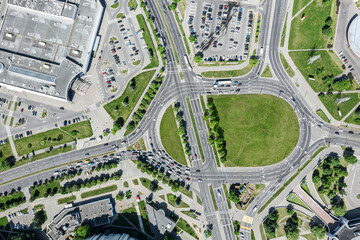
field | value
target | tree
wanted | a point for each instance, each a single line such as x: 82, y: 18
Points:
x: 197, y: 58
x: 329, y: 21
x: 342, y: 84
x: 274, y: 215
x: 82, y: 232
x: 350, y: 159
x: 39, y: 219
x: 318, y: 230
x: 290, y: 210
x: 192, y: 38
x: 253, y: 61
x: 292, y: 232
x: 120, y: 196
x: 24, y: 236
x: 128, y: 194
x: 173, y: 6
x: 327, y: 30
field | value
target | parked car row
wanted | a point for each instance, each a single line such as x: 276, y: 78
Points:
x: 3, y: 141
x: 346, y: 61
x: 75, y: 120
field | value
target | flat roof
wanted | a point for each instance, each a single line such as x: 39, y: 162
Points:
x: 46, y: 44
x: 354, y: 35
x: 97, y: 213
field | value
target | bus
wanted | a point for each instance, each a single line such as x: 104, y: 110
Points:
x: 222, y: 81
x: 187, y: 62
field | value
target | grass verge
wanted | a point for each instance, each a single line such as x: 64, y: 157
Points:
x: 286, y: 66
x: 99, y: 191
x: 184, y: 225
x: 175, y: 202
x: 322, y: 115
x: 116, y: 109
x: 154, y: 61
x: 283, y: 34
x: 169, y: 137
x: 213, y: 198
x: 230, y: 73
x: 182, y: 32
x: 295, y: 200
x: 195, y: 130
x: 267, y: 72
x: 226, y: 191
x: 66, y: 199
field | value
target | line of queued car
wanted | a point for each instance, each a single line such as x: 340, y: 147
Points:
x: 346, y: 61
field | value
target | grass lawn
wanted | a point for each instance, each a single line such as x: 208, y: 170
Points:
x: 186, y: 192
x: 195, y: 130
x: 182, y: 6
x: 198, y: 200
x: 133, y: 3
x: 25, y: 211
x: 190, y: 214
x: 144, y: 217
x: 325, y: 61
x: 299, y: 4
x: 39, y: 207
x: 52, y: 137
x: 220, y: 63
x: 139, y: 145
x: 213, y: 197
x: 66, y: 199
x: 344, y: 107
x: 184, y: 225
x: 283, y: 34
x: 83, y: 129
x: 99, y: 191
x: 286, y: 66
x: 120, y: 15
x: 131, y: 215
x: 39, y: 190
x: 116, y: 109
x: 267, y: 72
x: 230, y: 73
x: 309, y: 236
x: 295, y: 200
x: 305, y: 187
x: 351, y: 118
x: 5, y: 151
x: 227, y: 196
x: 182, y: 204
x: 250, y: 136
x: 307, y: 34
x: 146, y: 183
x: 169, y: 137
x: 4, y: 224
x: 18, y: 198
x: 137, y: 62
x: 322, y: 115
x: 135, y: 182
x: 154, y: 61
x: 115, y: 5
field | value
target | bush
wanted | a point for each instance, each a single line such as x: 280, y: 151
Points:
x: 197, y: 58
x: 350, y: 159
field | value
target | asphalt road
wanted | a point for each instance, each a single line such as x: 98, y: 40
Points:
x: 174, y: 89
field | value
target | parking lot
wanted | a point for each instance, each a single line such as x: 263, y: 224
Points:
x: 123, y: 53
x: 223, y: 30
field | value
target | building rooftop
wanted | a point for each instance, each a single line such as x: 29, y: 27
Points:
x: 46, y: 44
x: 97, y: 213
x: 111, y: 236
x: 354, y: 35
x: 158, y: 219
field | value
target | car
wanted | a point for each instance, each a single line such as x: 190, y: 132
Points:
x: 195, y: 156
x: 337, y: 133
x: 22, y: 110
x: 219, y: 192
x: 255, y: 208
x: 351, y: 132
x: 200, y: 180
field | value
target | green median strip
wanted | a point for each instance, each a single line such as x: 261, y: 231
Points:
x: 66, y: 199
x: 207, y: 124
x: 213, y: 198
x: 195, y: 130
x: 283, y: 35
x: 168, y: 32
x: 99, y: 191
x: 227, y: 196
x: 182, y: 32
x: 290, y: 180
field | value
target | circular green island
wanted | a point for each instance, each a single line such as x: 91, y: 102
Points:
x: 259, y: 130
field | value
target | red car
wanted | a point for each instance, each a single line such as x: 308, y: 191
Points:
x: 195, y: 156
x: 22, y: 110
x: 108, y: 81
